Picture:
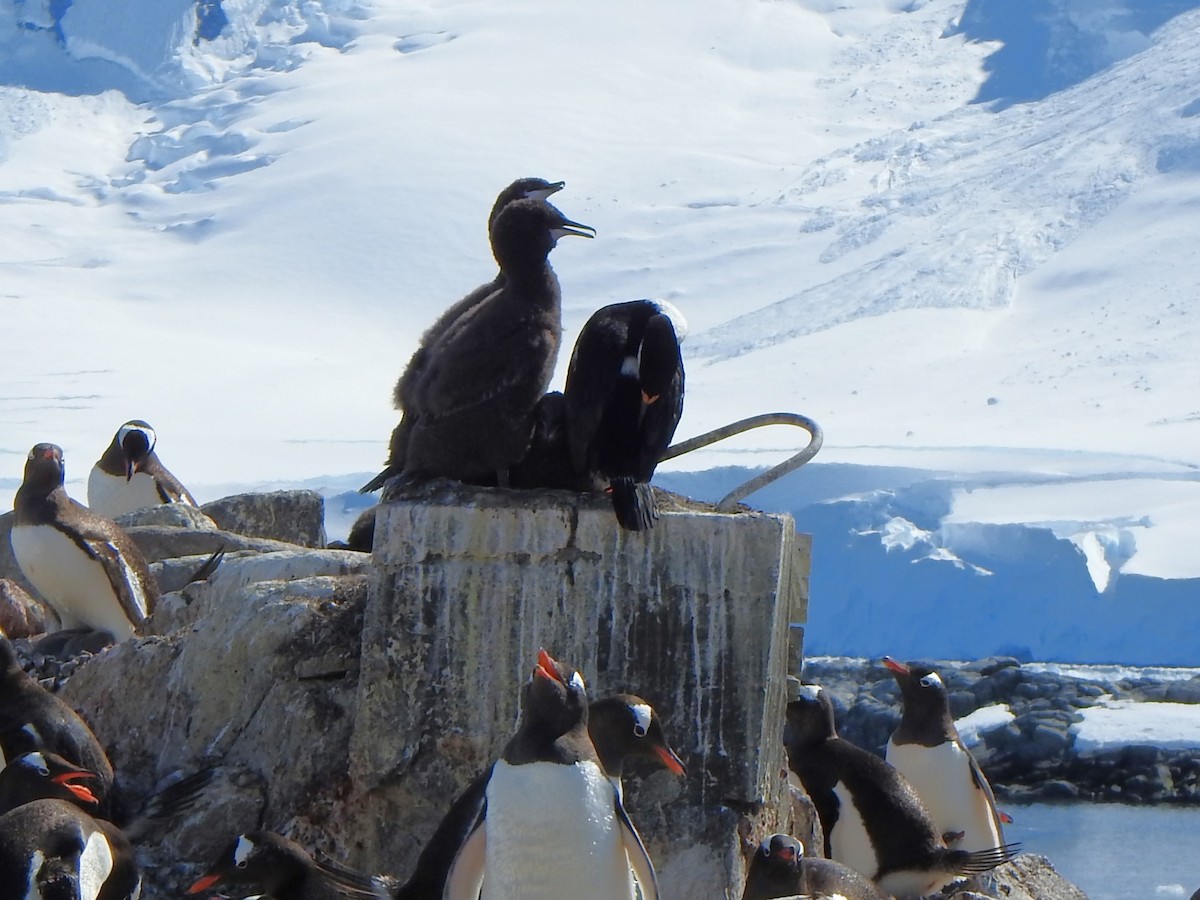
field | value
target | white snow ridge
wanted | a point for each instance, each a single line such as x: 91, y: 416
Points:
x: 957, y: 233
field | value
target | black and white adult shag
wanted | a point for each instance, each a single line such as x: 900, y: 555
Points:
x: 624, y: 397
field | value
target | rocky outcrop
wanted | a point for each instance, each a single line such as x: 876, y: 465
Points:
x: 1028, y: 877
x: 20, y: 614
x: 1033, y: 756
x: 297, y: 517
x: 344, y: 698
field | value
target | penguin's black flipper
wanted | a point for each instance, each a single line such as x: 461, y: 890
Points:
x: 633, y: 502
x: 465, y: 878
x: 428, y: 879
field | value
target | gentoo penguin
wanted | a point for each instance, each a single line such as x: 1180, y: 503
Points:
x: 84, y: 565
x: 624, y: 397
x: 780, y: 869
x: 874, y: 822
x: 44, y: 775
x: 926, y: 749
x: 553, y: 822
x: 282, y: 869
x: 32, y: 718
x: 129, y: 475
x: 405, y: 396
x: 474, y: 401
x: 52, y: 850
x: 621, y: 727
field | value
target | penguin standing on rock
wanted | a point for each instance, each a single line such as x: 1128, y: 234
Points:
x: 282, y: 870
x: 780, y: 869
x: 405, y: 396
x: 624, y: 397
x: 84, y: 565
x: 553, y: 822
x: 873, y: 820
x: 33, y: 719
x: 485, y: 374
x: 926, y: 749
x: 129, y: 475
x: 622, y: 727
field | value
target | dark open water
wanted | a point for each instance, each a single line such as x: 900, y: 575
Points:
x: 1115, y: 852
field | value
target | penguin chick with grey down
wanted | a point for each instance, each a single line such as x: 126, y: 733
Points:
x: 486, y: 373
x: 406, y: 396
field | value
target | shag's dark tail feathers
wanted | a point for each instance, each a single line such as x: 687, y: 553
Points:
x: 633, y: 502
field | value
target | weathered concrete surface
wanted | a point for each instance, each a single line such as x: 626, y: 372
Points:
x: 693, y: 615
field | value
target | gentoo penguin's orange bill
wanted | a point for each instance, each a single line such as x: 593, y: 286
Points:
x: 546, y: 666
x: 203, y: 884
x: 68, y: 779
x: 670, y: 760
x: 895, y: 666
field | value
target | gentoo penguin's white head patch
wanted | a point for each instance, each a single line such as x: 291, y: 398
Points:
x: 809, y: 692
x: 577, y: 682
x: 37, y: 761
x: 641, y: 718
x: 931, y: 679
x: 242, y: 850
x: 129, y: 427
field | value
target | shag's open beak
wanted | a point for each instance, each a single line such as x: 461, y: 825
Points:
x: 575, y: 228
x: 553, y: 188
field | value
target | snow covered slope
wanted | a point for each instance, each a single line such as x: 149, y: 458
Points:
x: 961, y: 235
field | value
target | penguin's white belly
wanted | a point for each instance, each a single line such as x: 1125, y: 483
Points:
x: 70, y: 580
x: 112, y: 495
x: 849, y: 842
x: 95, y: 865
x: 914, y: 884
x: 942, y: 778
x: 552, y: 832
